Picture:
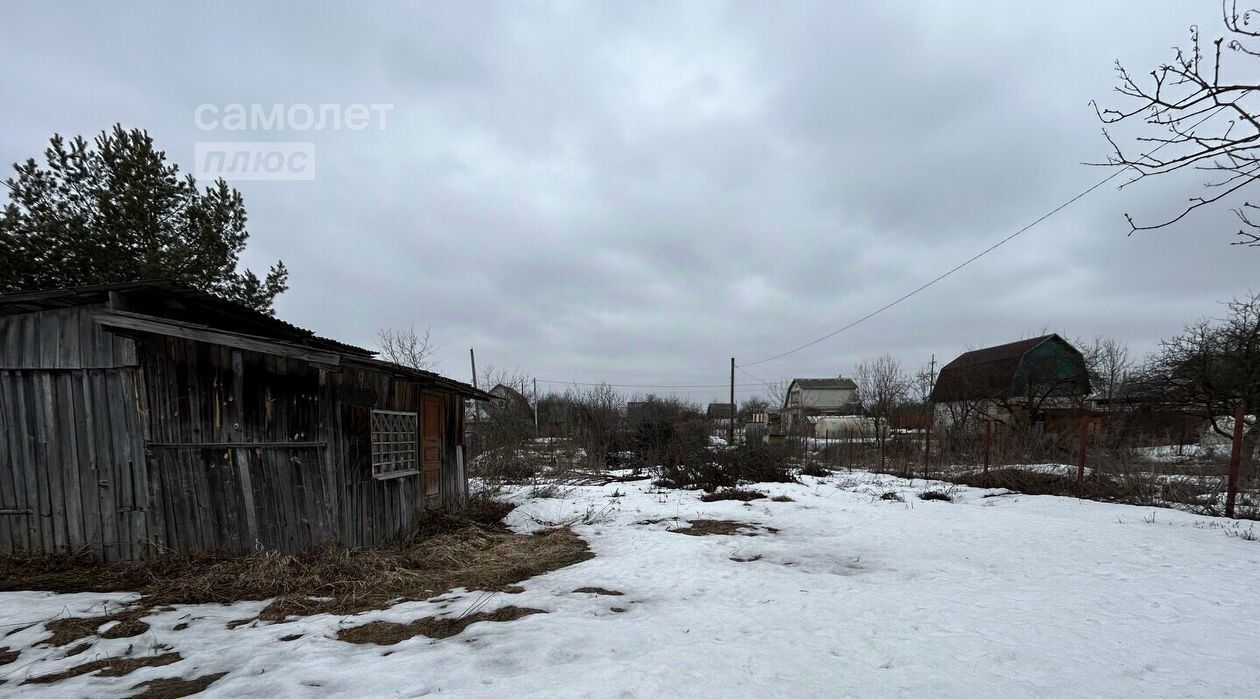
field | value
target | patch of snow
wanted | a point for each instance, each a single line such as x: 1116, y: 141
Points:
x: 1013, y: 596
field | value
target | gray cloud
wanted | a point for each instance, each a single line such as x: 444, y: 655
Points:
x: 635, y: 192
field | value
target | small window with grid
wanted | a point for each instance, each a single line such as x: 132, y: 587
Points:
x: 395, y: 450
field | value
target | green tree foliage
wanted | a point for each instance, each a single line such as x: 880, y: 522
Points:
x: 114, y: 210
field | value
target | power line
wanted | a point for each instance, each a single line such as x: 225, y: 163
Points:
x: 644, y: 385
x: 752, y: 376
x: 982, y: 253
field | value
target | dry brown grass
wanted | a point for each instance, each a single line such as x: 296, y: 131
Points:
x: 599, y: 591
x: 740, y: 494
x: 7, y: 656
x: 108, y: 667
x: 67, y: 630
x: 721, y: 527
x: 781, y: 498
x: 175, y: 687
x: 387, y: 633
x: 460, y: 553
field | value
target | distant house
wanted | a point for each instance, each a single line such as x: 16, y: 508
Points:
x: 1014, y: 383
x: 807, y: 398
x: 145, y: 418
x: 505, y: 397
x: 720, y: 415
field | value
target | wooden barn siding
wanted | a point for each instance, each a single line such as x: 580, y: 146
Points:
x: 230, y: 496
x: 378, y: 509
x: 125, y: 448
x: 72, y: 462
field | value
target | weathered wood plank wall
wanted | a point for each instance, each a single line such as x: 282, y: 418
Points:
x: 127, y: 448
x: 71, y: 456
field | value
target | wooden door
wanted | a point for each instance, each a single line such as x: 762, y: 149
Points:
x: 432, y: 442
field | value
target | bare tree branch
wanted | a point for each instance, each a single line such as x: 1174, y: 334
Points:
x: 1207, y: 122
x: 406, y: 348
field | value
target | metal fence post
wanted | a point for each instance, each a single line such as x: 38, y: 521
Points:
x: 927, y: 446
x: 1080, y: 459
x: 1235, y: 461
x: 988, y: 440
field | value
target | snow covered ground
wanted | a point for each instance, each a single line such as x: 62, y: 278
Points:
x: 836, y: 593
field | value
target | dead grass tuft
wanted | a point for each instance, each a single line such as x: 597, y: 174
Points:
x: 600, y: 591
x: 108, y: 667
x: 175, y: 687
x: 82, y: 647
x: 67, y: 630
x: 125, y: 629
x: 386, y: 633
x: 781, y: 498
x: 892, y: 496
x: 720, y: 527
x: 740, y: 494
x: 7, y: 656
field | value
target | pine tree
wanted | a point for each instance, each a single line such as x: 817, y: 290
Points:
x: 115, y: 210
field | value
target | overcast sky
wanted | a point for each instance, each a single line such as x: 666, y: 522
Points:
x: 636, y: 192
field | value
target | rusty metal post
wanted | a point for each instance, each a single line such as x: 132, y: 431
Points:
x: 1080, y: 459
x: 1235, y: 461
x: 927, y: 445
x: 988, y: 440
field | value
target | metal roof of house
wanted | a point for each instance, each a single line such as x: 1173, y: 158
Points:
x: 721, y: 409
x: 985, y: 372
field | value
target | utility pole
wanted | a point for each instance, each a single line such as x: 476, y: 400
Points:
x: 535, y: 405
x: 472, y: 357
x: 730, y: 430
x: 927, y: 435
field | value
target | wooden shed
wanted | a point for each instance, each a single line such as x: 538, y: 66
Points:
x: 145, y: 418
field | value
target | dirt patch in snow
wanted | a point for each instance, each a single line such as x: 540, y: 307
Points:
x: 108, y: 667
x: 175, y: 687
x: 740, y: 494
x: 125, y: 628
x: 82, y: 647
x: 600, y: 591
x: 781, y: 498
x: 387, y: 633
x: 721, y: 527
x: 67, y: 630
x: 7, y: 656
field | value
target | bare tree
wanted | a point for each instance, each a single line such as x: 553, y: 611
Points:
x: 882, y: 386
x: 775, y: 393
x: 1211, y: 368
x: 756, y: 404
x: 921, y: 383
x: 1202, y: 118
x: 1109, y: 364
x: 406, y: 348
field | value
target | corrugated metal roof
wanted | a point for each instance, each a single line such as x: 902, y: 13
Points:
x: 721, y: 409
x: 180, y: 302
x: 985, y: 373
x: 177, y: 301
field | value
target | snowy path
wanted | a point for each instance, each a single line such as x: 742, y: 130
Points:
x: 852, y: 596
